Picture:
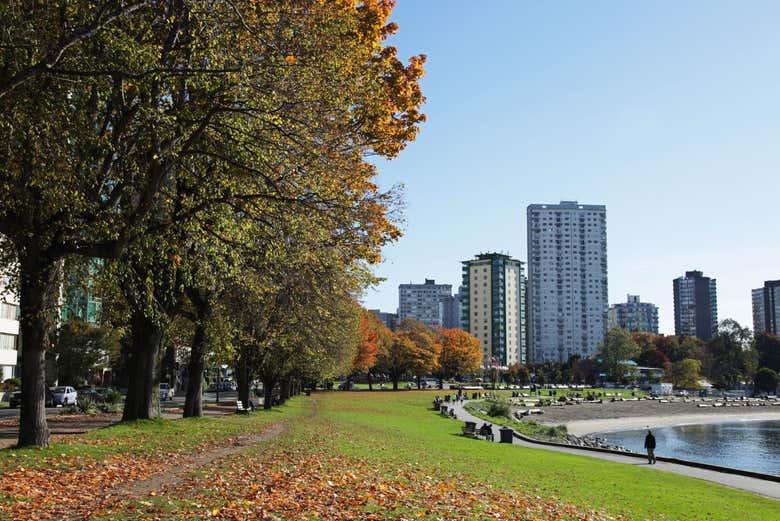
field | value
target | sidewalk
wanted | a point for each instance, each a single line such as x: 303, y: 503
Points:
x: 757, y: 486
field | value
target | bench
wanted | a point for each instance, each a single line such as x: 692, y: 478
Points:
x: 240, y: 409
x: 486, y: 432
x: 469, y: 430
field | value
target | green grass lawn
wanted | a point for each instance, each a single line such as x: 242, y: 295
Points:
x: 381, y: 452
x: 530, y: 428
x: 401, y: 428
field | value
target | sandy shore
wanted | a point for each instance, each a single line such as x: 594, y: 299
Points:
x: 611, y: 416
x: 640, y: 422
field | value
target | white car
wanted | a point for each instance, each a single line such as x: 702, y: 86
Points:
x: 166, y: 392
x: 64, y: 395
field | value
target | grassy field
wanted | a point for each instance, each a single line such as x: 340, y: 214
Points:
x: 530, y: 428
x: 366, y: 456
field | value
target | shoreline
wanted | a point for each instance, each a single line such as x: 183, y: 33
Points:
x: 596, y: 426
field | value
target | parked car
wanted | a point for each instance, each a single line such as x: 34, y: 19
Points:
x: 15, y: 400
x: 64, y: 395
x: 166, y: 392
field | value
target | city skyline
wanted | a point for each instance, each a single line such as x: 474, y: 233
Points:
x: 666, y: 117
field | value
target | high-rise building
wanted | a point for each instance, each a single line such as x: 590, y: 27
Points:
x: 766, y: 308
x: 493, y: 307
x: 449, y: 310
x: 633, y: 315
x: 423, y: 302
x: 695, y: 306
x: 9, y: 331
x: 567, y: 275
x: 388, y: 319
x: 759, y: 320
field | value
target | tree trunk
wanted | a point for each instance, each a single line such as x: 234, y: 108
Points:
x: 142, y: 395
x: 370, y: 383
x: 268, y: 393
x: 37, y: 298
x: 242, y: 378
x: 419, y: 382
x: 395, y: 383
x: 284, y: 389
x: 193, y: 401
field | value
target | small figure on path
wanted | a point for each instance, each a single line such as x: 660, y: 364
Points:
x: 650, y: 446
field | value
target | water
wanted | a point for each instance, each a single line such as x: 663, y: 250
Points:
x: 749, y: 445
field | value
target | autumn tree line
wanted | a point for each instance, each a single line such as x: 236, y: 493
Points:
x: 733, y: 357
x: 211, y: 157
x: 414, y: 350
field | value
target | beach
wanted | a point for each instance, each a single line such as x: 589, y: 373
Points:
x: 610, y: 416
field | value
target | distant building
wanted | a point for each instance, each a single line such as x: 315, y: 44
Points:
x: 695, y: 306
x: 448, y: 309
x: 567, y: 276
x: 633, y: 315
x: 388, y: 319
x: 9, y: 331
x: 493, y: 307
x: 423, y: 302
x: 766, y: 308
x: 759, y: 320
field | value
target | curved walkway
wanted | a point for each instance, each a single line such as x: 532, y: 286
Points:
x: 755, y: 485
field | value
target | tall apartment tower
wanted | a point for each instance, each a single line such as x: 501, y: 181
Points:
x: 766, y: 308
x: 633, y: 315
x: 422, y: 302
x: 759, y: 320
x: 695, y: 306
x: 493, y: 307
x: 567, y: 274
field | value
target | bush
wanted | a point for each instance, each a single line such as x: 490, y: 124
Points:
x: 11, y: 384
x: 766, y: 380
x: 83, y: 406
x: 497, y: 408
x: 112, y: 397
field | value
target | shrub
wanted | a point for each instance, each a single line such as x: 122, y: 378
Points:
x: 497, y: 408
x: 112, y: 397
x: 84, y: 406
x: 11, y: 384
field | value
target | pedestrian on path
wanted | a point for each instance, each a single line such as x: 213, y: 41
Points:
x: 650, y: 446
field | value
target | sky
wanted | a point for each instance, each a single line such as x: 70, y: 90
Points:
x: 667, y: 112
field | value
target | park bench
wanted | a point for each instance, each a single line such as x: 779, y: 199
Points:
x: 470, y: 430
x: 240, y: 409
x: 486, y: 431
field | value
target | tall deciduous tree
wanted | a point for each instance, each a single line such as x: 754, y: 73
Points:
x: 734, y: 358
x: 768, y: 348
x: 685, y: 373
x: 276, y: 94
x: 618, y: 348
x: 425, y: 348
x: 460, y: 354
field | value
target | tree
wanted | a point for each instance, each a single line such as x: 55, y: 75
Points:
x: 644, y: 340
x: 768, y: 348
x: 766, y: 380
x: 374, y: 337
x: 653, y: 358
x: 425, y: 348
x: 81, y: 347
x: 685, y: 374
x: 617, y: 349
x: 461, y: 353
x: 734, y: 358
x: 98, y: 124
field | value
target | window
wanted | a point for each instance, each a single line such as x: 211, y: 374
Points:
x: 7, y: 342
x: 9, y: 311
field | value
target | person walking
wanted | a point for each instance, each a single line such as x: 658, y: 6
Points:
x: 650, y: 446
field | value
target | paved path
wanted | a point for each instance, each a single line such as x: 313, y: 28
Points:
x: 757, y: 486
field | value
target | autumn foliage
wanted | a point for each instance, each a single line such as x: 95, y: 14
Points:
x: 461, y: 353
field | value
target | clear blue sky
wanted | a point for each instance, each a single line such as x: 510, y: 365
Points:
x: 666, y: 112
